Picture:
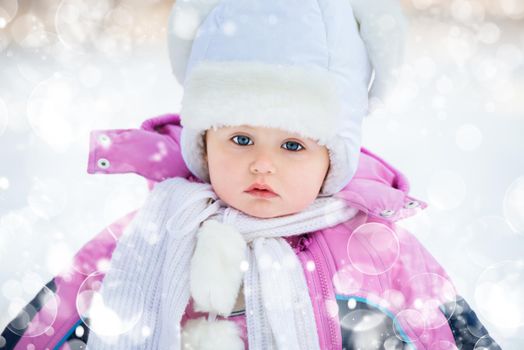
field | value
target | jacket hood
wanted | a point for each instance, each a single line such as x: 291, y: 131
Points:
x: 153, y: 151
x: 380, y: 190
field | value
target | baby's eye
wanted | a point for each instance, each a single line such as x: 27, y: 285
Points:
x: 242, y: 139
x: 294, y: 146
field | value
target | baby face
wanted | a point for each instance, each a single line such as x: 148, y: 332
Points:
x: 294, y: 167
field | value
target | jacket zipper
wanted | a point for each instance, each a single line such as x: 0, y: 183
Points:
x: 321, y: 284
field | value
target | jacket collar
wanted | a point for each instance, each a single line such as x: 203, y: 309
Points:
x: 380, y: 190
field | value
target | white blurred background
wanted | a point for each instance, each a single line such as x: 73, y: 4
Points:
x: 454, y: 127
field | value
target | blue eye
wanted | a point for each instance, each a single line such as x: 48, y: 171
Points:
x: 242, y: 139
x: 294, y: 145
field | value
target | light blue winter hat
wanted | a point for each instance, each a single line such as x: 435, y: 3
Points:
x: 300, y: 66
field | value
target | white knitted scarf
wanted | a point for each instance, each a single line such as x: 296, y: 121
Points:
x: 150, y: 279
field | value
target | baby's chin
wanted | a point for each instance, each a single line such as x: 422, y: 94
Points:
x: 261, y: 213
x: 268, y: 211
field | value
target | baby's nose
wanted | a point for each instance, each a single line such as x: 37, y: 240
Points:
x: 262, y: 166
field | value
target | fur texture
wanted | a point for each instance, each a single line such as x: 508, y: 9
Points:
x: 279, y: 96
x: 215, y: 275
x: 199, y: 334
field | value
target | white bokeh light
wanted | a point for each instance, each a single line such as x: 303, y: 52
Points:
x: 103, y: 320
x: 229, y: 28
x: 332, y: 307
x: 123, y: 199
x: 498, y: 294
x: 8, y: 11
x: 468, y: 137
x: 59, y: 256
x: 446, y: 189
x: 31, y: 282
x: 422, y: 4
x: 488, y: 33
x: 80, y: 22
x: 485, y: 69
x: 60, y: 111
x: 4, y: 183
x: 16, y: 224
x: 436, y: 291
x: 310, y: 265
x: 480, y: 235
x: 514, y: 9
x: 5, y: 40
x: 11, y: 289
x: 514, y: 205
x: 446, y: 345
x: 47, y: 197
x: 28, y: 30
x: 461, y: 45
x: 48, y: 109
x: 503, y: 90
x: 370, y: 241
x: 90, y: 76
x: 444, y: 85
x: 26, y: 324
x: 425, y: 67
x: 185, y: 22
x: 348, y: 280
x: 4, y: 119
x: 461, y: 10
x: 37, y: 61
x: 510, y: 56
x: 420, y: 223
x: 408, y: 319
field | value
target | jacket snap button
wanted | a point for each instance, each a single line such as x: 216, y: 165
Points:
x: 411, y: 204
x: 387, y: 213
x: 104, y: 139
x: 103, y: 163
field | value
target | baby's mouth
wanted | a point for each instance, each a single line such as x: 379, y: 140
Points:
x: 261, y: 190
x: 262, y: 193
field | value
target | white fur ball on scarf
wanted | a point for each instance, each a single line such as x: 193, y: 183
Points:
x: 218, y: 335
x: 215, y: 280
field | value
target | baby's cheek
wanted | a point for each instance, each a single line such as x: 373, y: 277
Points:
x: 218, y: 165
x: 301, y: 196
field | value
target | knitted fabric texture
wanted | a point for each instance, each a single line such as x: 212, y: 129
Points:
x: 147, y: 284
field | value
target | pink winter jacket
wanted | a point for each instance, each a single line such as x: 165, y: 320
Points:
x: 372, y: 284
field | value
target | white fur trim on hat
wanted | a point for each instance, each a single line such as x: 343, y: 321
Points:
x: 216, y: 276
x: 299, y: 98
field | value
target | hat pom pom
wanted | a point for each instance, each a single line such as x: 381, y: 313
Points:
x: 200, y: 334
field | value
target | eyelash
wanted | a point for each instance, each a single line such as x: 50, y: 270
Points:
x: 301, y: 147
